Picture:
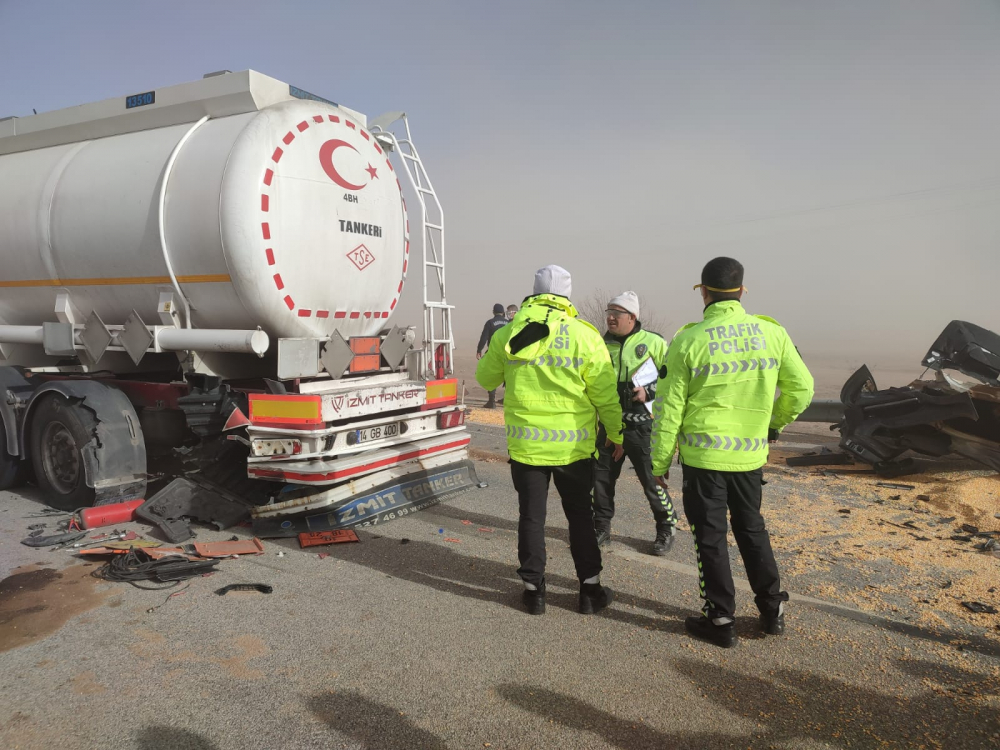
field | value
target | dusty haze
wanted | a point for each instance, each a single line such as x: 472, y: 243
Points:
x: 845, y: 152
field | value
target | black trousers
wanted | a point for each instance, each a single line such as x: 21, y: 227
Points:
x: 573, y: 482
x: 707, y: 495
x: 636, y: 441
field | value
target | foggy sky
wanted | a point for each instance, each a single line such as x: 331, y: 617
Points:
x: 846, y: 152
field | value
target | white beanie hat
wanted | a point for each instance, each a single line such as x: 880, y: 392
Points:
x: 553, y: 280
x: 628, y: 301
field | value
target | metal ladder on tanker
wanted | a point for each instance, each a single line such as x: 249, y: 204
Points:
x: 439, y: 341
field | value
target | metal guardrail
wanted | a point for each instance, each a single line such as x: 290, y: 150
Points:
x: 823, y: 410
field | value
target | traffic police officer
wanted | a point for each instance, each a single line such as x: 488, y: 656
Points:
x: 716, y: 403
x: 559, y: 383
x: 630, y: 346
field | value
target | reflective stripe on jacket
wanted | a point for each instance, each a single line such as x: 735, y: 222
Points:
x: 717, y: 402
x: 558, y: 385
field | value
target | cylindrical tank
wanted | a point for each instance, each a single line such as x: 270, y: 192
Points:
x: 290, y: 219
x: 109, y: 515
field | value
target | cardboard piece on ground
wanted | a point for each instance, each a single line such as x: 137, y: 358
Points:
x: 126, y: 543
x: 227, y: 549
x: 196, y: 551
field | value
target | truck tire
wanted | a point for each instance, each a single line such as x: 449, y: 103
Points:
x: 11, y: 467
x: 59, y: 431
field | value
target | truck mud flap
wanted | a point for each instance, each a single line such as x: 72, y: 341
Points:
x: 396, y: 499
x: 114, y: 459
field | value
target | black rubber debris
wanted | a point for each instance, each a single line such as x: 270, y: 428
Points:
x: 49, y: 541
x: 263, y: 588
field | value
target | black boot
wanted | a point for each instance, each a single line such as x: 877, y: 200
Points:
x: 593, y: 598
x: 534, y: 601
x: 719, y: 635
x: 664, y: 538
x: 773, y: 623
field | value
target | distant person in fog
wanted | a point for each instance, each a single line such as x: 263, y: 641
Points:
x: 494, y: 324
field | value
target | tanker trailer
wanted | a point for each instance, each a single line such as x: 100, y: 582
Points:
x: 210, y: 269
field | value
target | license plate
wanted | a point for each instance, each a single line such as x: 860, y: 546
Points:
x: 378, y: 433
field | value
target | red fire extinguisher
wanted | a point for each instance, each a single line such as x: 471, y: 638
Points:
x: 439, y: 361
x: 109, y: 515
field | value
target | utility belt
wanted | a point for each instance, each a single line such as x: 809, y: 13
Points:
x: 637, y: 417
x: 633, y: 411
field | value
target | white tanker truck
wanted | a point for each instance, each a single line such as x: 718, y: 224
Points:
x: 209, y: 270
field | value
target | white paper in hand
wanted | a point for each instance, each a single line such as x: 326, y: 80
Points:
x: 647, y: 374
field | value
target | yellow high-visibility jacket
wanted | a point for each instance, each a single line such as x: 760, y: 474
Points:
x: 558, y: 385
x: 716, y: 402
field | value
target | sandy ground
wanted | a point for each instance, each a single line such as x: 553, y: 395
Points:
x: 843, y: 520
x: 422, y: 643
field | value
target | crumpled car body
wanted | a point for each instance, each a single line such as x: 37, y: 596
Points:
x: 955, y: 411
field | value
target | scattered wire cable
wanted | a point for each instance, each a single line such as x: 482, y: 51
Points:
x: 169, y: 597
x: 135, y: 566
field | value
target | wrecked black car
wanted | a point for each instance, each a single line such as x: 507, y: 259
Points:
x: 955, y: 411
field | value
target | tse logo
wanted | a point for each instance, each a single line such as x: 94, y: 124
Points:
x: 361, y: 257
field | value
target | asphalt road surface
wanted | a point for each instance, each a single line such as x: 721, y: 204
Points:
x: 415, y: 638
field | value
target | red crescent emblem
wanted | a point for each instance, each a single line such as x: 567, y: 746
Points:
x: 326, y: 161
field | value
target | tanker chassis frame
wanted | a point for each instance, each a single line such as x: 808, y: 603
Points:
x: 355, y: 452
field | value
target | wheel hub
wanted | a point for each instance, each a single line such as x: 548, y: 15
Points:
x: 61, y: 457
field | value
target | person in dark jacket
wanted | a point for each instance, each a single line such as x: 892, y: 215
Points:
x: 494, y: 324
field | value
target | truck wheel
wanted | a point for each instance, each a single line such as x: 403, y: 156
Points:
x: 59, y: 432
x: 11, y: 467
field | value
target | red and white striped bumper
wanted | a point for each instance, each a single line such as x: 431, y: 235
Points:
x: 320, y: 472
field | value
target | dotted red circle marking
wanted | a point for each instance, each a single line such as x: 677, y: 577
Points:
x: 265, y: 227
